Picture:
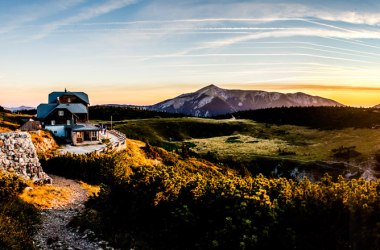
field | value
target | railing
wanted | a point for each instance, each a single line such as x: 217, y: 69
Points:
x: 114, y: 146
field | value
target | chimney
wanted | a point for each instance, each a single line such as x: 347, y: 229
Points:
x: 65, y: 90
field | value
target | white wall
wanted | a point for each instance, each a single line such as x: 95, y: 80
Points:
x: 57, y: 130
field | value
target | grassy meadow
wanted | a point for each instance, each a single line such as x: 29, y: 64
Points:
x: 246, y: 139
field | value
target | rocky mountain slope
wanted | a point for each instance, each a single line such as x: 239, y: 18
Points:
x: 212, y: 100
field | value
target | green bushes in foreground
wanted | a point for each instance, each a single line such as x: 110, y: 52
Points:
x: 190, y: 205
x: 17, y: 218
x: 91, y: 168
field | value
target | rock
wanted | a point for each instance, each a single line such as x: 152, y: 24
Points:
x: 18, y: 155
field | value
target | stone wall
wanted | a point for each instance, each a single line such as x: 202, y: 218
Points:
x: 18, y: 155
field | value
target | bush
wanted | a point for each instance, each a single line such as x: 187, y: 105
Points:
x: 91, y: 168
x: 194, y: 205
x: 17, y: 218
x: 10, y: 186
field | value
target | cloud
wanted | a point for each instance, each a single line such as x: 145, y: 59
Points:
x: 287, y: 87
x: 29, y: 13
x: 355, y: 13
x: 306, y: 32
x: 86, y: 14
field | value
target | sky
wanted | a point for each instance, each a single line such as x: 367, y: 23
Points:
x: 143, y: 52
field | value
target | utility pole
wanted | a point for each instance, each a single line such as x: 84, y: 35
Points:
x: 111, y: 122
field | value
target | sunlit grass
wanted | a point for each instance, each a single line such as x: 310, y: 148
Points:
x: 256, y: 138
x: 93, y: 190
x: 242, y: 145
x: 47, y: 196
x: 307, y: 144
x: 3, y: 130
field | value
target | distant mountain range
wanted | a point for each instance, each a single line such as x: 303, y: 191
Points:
x: 212, y: 100
x: 15, y: 109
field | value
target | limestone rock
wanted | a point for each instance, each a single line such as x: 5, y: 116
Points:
x: 18, y: 155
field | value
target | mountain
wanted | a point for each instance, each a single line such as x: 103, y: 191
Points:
x: 376, y: 106
x: 16, y: 109
x: 212, y: 100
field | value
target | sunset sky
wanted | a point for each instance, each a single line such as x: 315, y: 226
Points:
x: 142, y: 52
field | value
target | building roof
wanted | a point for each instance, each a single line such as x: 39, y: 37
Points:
x: 85, y: 127
x: 44, y: 110
x: 74, y: 108
x: 81, y: 95
x: 31, y: 126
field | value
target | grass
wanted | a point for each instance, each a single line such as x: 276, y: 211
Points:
x: 11, y: 121
x: 47, y: 196
x: 246, y: 139
x: 3, y: 129
x: 158, y: 131
x: 307, y: 144
x: 240, y: 147
x: 93, y: 190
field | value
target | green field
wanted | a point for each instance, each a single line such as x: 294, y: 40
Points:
x: 245, y: 139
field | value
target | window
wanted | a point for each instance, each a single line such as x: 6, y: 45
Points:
x: 93, y: 133
x: 68, y: 122
x: 61, y: 113
x: 68, y: 99
x: 55, y: 132
x: 79, y: 134
x: 52, y: 122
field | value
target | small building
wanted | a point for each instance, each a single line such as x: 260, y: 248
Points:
x: 31, y: 126
x: 66, y: 115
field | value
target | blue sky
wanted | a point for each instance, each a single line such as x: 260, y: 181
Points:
x: 141, y: 52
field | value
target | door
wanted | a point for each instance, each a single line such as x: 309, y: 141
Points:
x: 87, y: 135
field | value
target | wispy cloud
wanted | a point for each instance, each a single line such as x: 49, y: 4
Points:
x: 86, y: 14
x: 345, y: 11
x: 289, y: 87
x: 359, y: 34
x: 32, y: 12
x: 209, y: 55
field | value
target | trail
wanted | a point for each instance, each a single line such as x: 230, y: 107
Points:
x: 54, y: 232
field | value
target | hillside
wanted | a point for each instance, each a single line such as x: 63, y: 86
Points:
x: 212, y: 100
x: 315, y: 117
x: 44, y: 142
x: 9, y: 121
x: 274, y: 150
x: 154, y: 199
x: 118, y: 113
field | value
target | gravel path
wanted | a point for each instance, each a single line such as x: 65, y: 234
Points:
x: 54, y: 232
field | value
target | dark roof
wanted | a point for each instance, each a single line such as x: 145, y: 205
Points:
x: 31, y: 126
x: 85, y: 127
x: 44, y: 110
x: 75, y: 108
x: 81, y: 95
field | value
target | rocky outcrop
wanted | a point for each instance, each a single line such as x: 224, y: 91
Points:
x: 43, y: 142
x: 18, y: 155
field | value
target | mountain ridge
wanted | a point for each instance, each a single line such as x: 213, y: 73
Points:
x: 213, y: 100
x: 20, y: 108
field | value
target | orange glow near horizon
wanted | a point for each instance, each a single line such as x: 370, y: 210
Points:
x: 347, y: 95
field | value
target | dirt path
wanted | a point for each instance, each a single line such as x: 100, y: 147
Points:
x: 54, y: 232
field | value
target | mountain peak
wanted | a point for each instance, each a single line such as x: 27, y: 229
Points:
x: 212, y: 100
x: 211, y: 86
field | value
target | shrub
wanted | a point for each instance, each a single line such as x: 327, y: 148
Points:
x: 17, y: 218
x: 194, y: 205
